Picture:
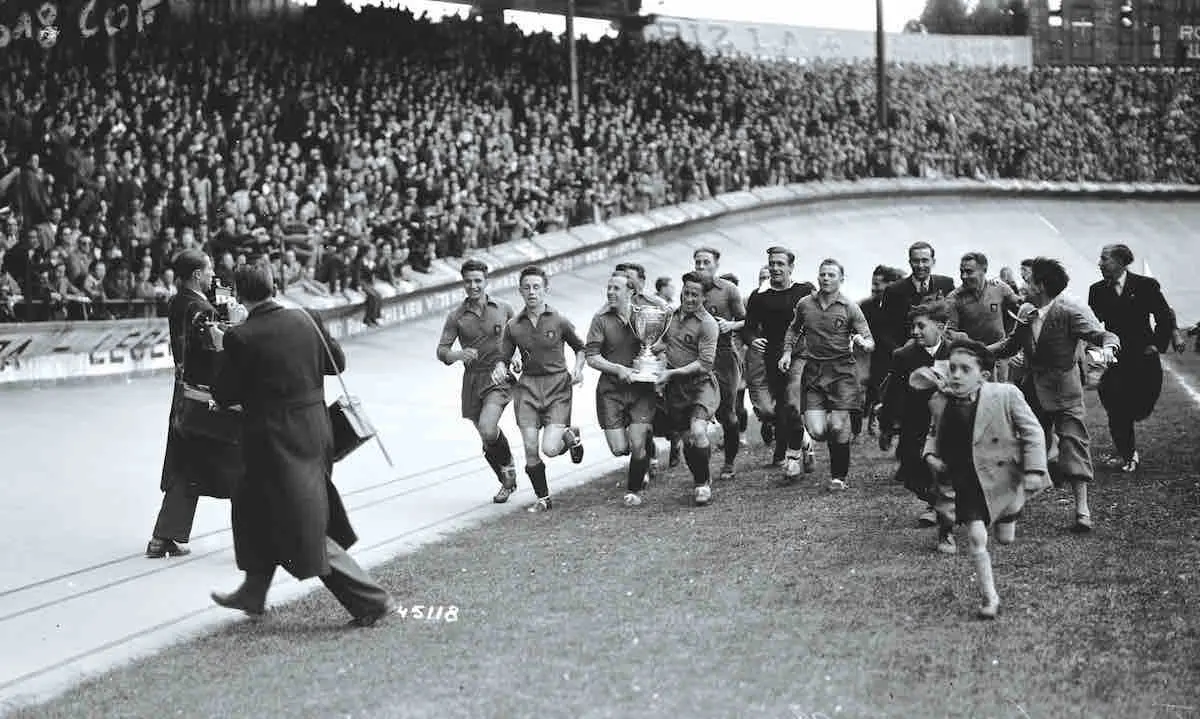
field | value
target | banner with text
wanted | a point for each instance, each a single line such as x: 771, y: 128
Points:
x: 811, y: 44
x: 47, y: 22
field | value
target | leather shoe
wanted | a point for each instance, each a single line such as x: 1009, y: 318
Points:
x: 989, y: 609
x: 159, y: 548
x: 372, y: 618
x: 238, y: 600
x: 1083, y: 524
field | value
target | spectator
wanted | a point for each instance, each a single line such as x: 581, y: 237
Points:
x: 94, y: 283
x: 9, y: 292
x: 63, y: 298
x: 291, y: 269
x: 119, y: 286
x: 363, y: 270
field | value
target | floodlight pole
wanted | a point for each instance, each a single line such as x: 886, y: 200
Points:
x: 573, y: 61
x: 881, y: 90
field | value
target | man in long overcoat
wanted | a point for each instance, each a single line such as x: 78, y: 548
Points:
x: 1126, y: 303
x: 286, y: 511
x: 193, y: 465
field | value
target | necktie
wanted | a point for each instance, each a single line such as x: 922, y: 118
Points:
x: 1035, y: 325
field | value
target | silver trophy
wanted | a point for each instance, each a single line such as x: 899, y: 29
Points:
x: 649, y: 324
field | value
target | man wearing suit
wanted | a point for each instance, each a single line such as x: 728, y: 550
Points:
x: 879, y: 361
x: 286, y: 512
x: 1049, y: 329
x: 192, y: 465
x: 1125, y: 302
x: 920, y: 287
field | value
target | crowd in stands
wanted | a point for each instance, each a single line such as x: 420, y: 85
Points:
x: 355, y: 149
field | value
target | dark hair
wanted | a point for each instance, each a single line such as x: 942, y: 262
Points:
x: 936, y: 311
x: 254, y: 283
x: 978, y: 258
x: 782, y: 251
x: 693, y: 276
x: 712, y: 251
x: 1121, y: 253
x: 1027, y: 262
x: 1050, y: 274
x: 187, y: 262
x: 641, y: 271
x: 835, y: 263
x: 921, y: 245
x: 730, y: 277
x: 661, y: 282
x: 978, y: 350
x: 473, y: 265
x: 889, y: 274
x: 532, y: 271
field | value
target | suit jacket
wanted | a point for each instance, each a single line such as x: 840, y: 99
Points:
x: 900, y: 297
x: 906, y: 408
x: 1052, y: 377
x: 1128, y: 315
x: 274, y: 366
x: 207, y: 467
x: 194, y: 358
x: 906, y: 412
x: 1007, y: 442
x: 881, y: 357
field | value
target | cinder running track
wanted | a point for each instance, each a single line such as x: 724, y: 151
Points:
x: 79, y: 465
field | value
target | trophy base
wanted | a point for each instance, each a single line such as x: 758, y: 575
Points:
x: 647, y: 372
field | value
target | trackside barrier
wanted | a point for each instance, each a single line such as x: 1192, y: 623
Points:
x: 53, y: 352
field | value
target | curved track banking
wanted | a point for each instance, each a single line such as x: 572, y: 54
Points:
x: 81, y: 463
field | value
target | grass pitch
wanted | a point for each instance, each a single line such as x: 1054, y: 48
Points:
x: 781, y: 602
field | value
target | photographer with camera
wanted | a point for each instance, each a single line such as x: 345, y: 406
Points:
x: 203, y: 457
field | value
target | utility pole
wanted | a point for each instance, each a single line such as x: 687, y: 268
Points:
x: 573, y: 61
x: 880, y: 68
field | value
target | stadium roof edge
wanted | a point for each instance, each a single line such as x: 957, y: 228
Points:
x: 595, y: 9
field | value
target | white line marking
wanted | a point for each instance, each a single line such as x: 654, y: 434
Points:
x: 1182, y: 380
x: 1048, y: 223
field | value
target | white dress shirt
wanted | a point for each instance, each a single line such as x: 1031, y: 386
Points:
x: 1039, y: 319
x: 1119, y: 284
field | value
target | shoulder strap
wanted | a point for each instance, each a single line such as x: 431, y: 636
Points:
x: 180, y: 365
x: 328, y: 351
x: 189, y: 320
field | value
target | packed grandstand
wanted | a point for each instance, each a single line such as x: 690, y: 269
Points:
x: 353, y: 150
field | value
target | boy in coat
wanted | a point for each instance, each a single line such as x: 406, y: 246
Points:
x: 988, y: 452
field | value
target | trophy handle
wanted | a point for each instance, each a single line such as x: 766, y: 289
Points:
x: 663, y: 333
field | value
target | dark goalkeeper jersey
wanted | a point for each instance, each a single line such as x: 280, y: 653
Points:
x: 770, y: 311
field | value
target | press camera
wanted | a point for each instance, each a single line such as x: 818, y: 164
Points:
x: 223, y: 299
x: 225, y: 313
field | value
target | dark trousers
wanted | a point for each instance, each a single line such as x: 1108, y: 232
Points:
x: 789, y: 420
x: 373, y: 307
x: 349, y: 583
x: 176, y: 514
x: 1129, y: 390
